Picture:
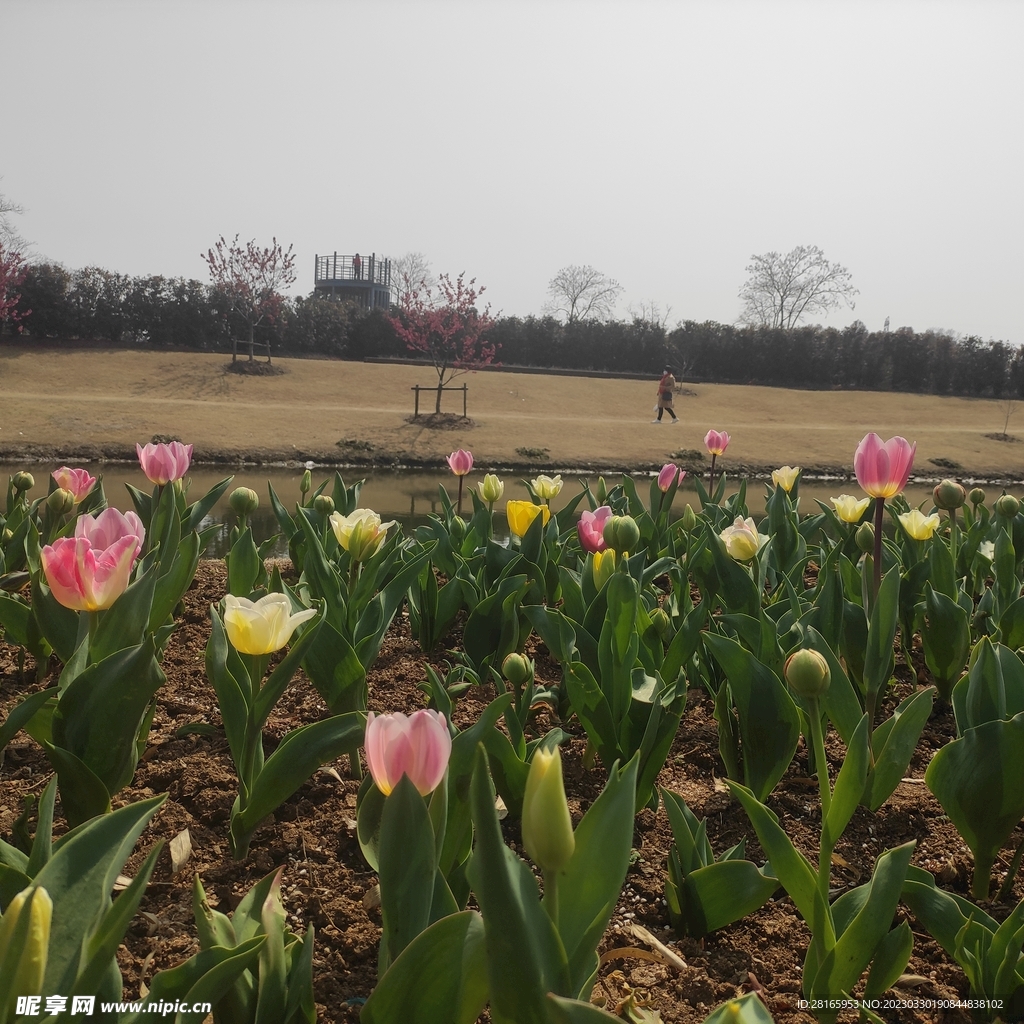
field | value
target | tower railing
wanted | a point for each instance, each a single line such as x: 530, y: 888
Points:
x: 371, y: 269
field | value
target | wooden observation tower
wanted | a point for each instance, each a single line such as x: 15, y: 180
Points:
x: 362, y: 279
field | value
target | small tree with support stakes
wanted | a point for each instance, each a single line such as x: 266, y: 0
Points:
x: 250, y: 278
x: 447, y: 327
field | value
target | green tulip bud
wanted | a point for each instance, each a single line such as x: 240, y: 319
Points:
x: 621, y: 533
x: 547, y: 827
x: 457, y: 532
x: 689, y: 519
x: 807, y: 673
x: 1007, y: 505
x: 324, y: 504
x: 602, y: 491
x: 949, y: 495
x: 23, y: 481
x: 244, y: 501
x: 60, y: 501
x: 865, y: 537
x: 491, y: 489
x: 517, y: 669
x: 8, y: 536
x: 306, y: 483
x: 661, y: 622
x: 25, y: 966
x: 977, y: 496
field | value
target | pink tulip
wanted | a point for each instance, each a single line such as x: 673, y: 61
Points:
x: 76, y: 481
x: 883, y: 468
x: 104, y: 530
x: 716, y: 442
x: 591, y: 529
x: 461, y: 462
x: 417, y: 745
x: 668, y: 473
x: 85, y: 578
x: 164, y: 463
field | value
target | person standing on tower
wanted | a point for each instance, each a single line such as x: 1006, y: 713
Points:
x: 357, y: 267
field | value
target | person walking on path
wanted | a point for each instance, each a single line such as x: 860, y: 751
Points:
x: 666, y: 390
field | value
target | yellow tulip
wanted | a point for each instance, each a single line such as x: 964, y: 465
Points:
x: 850, y: 509
x: 546, y: 487
x: 785, y: 477
x: 361, y: 534
x: 742, y: 540
x: 547, y: 827
x: 25, y: 965
x: 263, y: 626
x: 604, y: 566
x: 522, y: 513
x: 918, y: 525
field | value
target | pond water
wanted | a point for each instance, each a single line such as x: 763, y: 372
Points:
x: 406, y: 496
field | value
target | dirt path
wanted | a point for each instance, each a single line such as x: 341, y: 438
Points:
x: 96, y: 403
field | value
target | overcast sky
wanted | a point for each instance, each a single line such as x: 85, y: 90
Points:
x: 663, y: 143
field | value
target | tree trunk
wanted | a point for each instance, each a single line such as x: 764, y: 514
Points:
x: 250, y: 342
x: 437, y: 404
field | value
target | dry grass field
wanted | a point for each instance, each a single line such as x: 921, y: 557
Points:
x: 97, y: 403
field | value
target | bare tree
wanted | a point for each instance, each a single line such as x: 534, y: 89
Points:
x: 9, y: 237
x: 781, y: 290
x: 582, y: 293
x: 410, y: 275
x: 650, y: 312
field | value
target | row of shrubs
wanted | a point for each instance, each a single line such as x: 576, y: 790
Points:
x: 97, y: 304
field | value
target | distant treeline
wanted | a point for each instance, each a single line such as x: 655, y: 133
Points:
x: 97, y: 305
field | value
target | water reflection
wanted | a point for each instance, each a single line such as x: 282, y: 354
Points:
x: 407, y: 497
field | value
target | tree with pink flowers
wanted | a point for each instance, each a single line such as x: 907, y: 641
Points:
x: 251, y: 278
x: 447, y: 327
x: 12, y: 273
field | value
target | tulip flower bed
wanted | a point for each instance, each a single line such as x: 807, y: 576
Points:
x: 629, y: 717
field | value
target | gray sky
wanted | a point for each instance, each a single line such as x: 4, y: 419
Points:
x: 663, y: 143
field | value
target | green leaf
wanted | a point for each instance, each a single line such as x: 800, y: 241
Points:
x: 525, y: 956
x: 592, y: 709
x: 79, y: 878
x: 175, y: 579
x: 591, y: 882
x: 407, y: 864
x: 618, y: 644
x: 738, y: 591
x: 849, y: 785
x: 82, y: 793
x: 276, y: 683
x: 14, y: 617
x: 846, y: 961
x: 231, y: 682
x: 125, y: 622
x: 199, y: 509
x: 574, y: 1011
x: 946, y: 637
x: 721, y: 893
x: 22, y: 714
x: 99, y: 715
x: 895, y: 742
x: 977, y: 780
x: 840, y: 701
x: 440, y: 978
x: 879, y: 658
x: 298, y: 755
x: 768, y: 720
x: 244, y: 565
x: 891, y: 958
x: 335, y: 671
x: 746, y: 1009
x: 793, y: 869
x: 943, y: 914
x: 59, y: 625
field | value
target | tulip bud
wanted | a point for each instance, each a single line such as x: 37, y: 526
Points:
x: 689, y: 519
x: 457, y: 532
x: 661, y: 622
x: 602, y: 491
x: 547, y: 827
x: 23, y: 481
x: 491, y: 489
x: 517, y: 669
x: 305, y: 483
x: 807, y: 673
x: 1007, y: 505
x: 865, y: 537
x: 244, y: 501
x: 60, y: 501
x: 621, y: 533
x: 949, y: 495
x: 27, y: 963
x: 977, y: 496
x: 604, y: 566
x: 8, y: 536
x: 324, y: 504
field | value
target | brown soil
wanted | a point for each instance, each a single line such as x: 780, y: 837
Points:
x: 93, y: 403
x: 326, y: 879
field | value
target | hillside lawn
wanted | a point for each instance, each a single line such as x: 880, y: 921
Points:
x: 96, y: 403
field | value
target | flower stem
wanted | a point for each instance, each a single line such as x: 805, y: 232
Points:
x: 825, y: 789
x: 879, y: 515
x: 458, y: 504
x: 953, y: 538
x: 711, y: 481
x: 551, y: 896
